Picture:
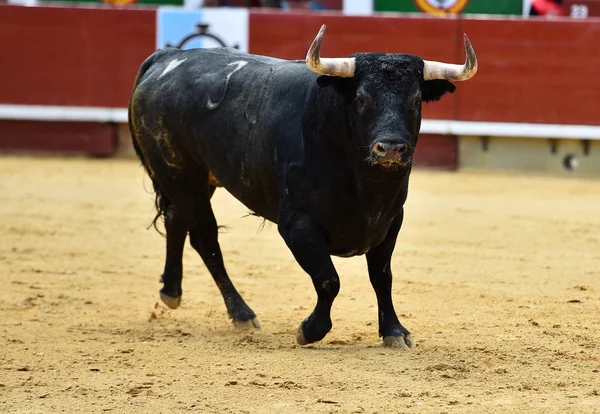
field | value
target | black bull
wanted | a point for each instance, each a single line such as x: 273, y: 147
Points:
x: 322, y: 147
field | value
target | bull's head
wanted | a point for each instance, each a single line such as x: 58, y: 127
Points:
x: 384, y: 94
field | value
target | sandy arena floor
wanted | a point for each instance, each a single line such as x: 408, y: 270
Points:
x: 497, y: 277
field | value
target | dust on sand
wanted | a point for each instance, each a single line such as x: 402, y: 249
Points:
x: 496, y: 276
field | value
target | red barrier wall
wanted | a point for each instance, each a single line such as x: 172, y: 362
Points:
x: 73, y: 56
x: 437, y: 151
x: 541, y: 71
x: 70, y: 137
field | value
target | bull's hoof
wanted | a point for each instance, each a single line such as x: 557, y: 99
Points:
x: 403, y: 341
x: 313, y: 329
x: 300, y: 336
x: 170, y: 301
x: 251, y: 324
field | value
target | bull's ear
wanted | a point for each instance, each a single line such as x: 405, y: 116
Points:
x: 433, y: 90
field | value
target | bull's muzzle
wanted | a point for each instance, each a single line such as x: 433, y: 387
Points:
x: 390, y: 153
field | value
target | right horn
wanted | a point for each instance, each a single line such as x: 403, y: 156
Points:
x: 451, y: 72
x: 343, y: 67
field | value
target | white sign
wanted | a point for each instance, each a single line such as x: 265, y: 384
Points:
x: 202, y: 28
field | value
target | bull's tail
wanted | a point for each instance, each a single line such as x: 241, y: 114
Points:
x: 161, y: 202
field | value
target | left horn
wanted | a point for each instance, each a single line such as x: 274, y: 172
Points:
x: 342, y: 67
x: 451, y: 72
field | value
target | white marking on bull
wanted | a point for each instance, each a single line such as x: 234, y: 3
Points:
x: 239, y: 64
x: 172, y: 65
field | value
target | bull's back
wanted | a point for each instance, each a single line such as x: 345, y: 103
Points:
x: 220, y: 109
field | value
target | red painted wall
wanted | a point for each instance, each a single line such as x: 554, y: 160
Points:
x: 73, y: 56
x: 437, y: 151
x: 69, y: 137
x: 542, y: 71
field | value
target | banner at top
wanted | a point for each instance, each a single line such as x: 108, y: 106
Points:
x: 202, y: 28
x: 446, y: 7
x: 441, y: 6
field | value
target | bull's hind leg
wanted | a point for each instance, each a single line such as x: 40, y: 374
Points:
x: 204, y: 240
x: 203, y: 232
x: 176, y: 230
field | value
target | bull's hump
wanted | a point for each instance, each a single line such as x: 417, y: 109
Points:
x: 171, y: 65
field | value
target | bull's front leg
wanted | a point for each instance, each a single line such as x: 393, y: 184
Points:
x: 380, y: 273
x: 309, y: 248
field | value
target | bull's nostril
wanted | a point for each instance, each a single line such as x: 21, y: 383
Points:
x: 401, y: 148
x: 379, y: 148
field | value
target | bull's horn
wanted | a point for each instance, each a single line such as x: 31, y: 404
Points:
x: 448, y: 71
x: 343, y: 67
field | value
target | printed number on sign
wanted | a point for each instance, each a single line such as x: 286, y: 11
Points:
x: 579, y: 11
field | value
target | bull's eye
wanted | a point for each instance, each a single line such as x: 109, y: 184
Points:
x: 364, y: 103
x: 417, y: 105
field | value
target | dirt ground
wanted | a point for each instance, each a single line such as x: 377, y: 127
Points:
x: 496, y: 276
